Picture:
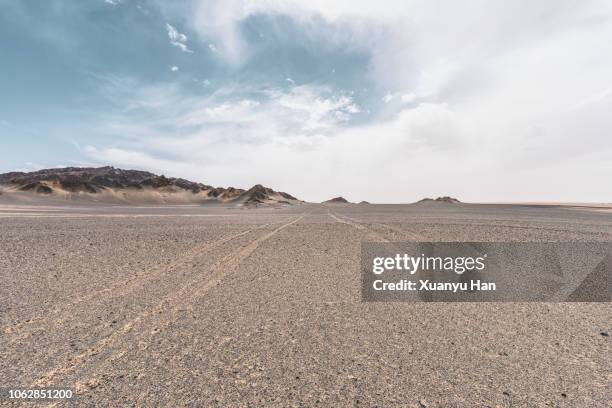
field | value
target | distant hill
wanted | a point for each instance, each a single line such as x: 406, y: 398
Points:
x: 445, y: 199
x: 109, y: 184
x: 364, y: 202
x: 337, y: 200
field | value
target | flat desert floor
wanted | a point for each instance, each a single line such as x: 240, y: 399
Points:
x: 210, y: 306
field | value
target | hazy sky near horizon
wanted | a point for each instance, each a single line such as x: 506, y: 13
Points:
x: 385, y: 101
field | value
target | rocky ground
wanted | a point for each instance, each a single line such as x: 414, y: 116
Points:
x: 193, y: 306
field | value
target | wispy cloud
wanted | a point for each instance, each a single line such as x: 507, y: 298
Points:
x: 367, y: 97
x: 177, y: 39
x: 276, y: 128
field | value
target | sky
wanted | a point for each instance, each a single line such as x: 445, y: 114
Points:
x: 384, y: 101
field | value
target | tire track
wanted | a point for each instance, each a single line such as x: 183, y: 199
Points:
x: 498, y: 223
x: 412, y: 235
x: 360, y: 225
x: 161, y: 315
x: 369, y: 232
x: 124, y: 287
x: 420, y: 238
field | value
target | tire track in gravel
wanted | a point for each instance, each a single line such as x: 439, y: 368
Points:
x: 361, y: 226
x: 161, y: 315
x: 501, y: 224
x: 369, y: 232
x: 420, y: 238
x: 123, y: 287
x: 393, y: 228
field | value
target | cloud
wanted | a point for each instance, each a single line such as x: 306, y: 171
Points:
x: 306, y: 131
x: 294, y: 141
x: 177, y: 39
x: 415, y: 46
x: 488, y: 101
x: 112, y: 2
x: 174, y: 35
x: 408, y: 97
x: 304, y: 110
x: 174, y: 68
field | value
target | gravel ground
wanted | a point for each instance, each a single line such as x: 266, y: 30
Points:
x: 193, y: 306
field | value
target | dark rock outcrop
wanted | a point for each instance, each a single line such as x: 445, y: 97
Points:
x: 445, y: 199
x: 336, y: 200
x: 94, y: 180
x: 36, y: 187
x: 259, y: 194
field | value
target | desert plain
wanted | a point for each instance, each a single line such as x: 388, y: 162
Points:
x: 219, y: 306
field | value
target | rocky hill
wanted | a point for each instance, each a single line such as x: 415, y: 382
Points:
x: 133, y: 186
x: 337, y: 200
x: 445, y: 199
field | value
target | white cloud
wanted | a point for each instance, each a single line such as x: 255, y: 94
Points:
x: 300, y: 133
x: 174, y: 35
x: 174, y: 68
x: 404, y: 98
x: 112, y: 2
x: 408, y: 97
x: 177, y: 39
x: 212, y: 47
x: 487, y: 101
x: 302, y: 110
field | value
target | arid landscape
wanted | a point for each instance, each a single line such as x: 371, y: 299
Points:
x: 223, y: 305
x: 297, y: 203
